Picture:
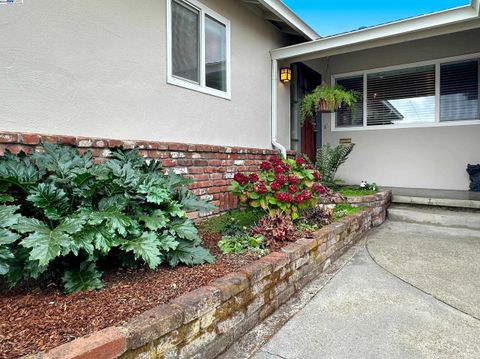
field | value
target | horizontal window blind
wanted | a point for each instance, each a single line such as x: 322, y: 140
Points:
x: 459, y: 86
x: 345, y: 116
x: 403, y: 96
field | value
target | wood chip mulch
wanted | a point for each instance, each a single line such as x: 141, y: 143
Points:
x: 43, y: 318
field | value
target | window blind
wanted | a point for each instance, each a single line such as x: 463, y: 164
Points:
x: 459, y: 91
x: 185, y: 41
x: 346, y: 117
x: 401, y: 96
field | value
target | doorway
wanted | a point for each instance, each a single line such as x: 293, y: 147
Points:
x: 304, y: 139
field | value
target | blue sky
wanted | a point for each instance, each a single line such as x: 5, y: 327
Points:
x: 330, y: 17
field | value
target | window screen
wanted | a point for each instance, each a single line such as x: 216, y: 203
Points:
x: 404, y: 96
x: 346, y: 117
x: 459, y: 91
x: 185, y: 41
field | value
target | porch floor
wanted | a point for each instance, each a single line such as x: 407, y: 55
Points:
x: 436, y: 197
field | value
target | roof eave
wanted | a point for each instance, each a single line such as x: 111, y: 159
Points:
x: 285, y: 13
x: 402, y: 27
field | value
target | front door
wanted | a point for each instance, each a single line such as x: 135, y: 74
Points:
x: 306, y: 138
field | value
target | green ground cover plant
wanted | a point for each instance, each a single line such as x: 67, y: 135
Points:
x: 342, y: 210
x: 355, y: 191
x: 64, y: 217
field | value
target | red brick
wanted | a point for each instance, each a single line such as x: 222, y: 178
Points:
x: 31, y: 139
x: 105, y: 344
x: 50, y: 139
x: 67, y: 140
x: 8, y: 138
x: 169, y: 163
x: 114, y: 143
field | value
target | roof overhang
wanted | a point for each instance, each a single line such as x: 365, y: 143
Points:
x: 438, y: 23
x: 284, y: 18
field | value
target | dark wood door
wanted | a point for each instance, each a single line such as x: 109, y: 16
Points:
x: 308, y: 79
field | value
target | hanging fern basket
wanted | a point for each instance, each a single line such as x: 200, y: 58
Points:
x: 324, y: 106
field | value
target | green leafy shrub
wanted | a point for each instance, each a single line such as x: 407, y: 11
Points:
x: 330, y: 159
x: 63, y: 215
x: 356, y: 191
x: 242, y: 243
x: 281, y: 185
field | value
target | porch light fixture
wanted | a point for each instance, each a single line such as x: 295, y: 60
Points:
x: 285, y: 74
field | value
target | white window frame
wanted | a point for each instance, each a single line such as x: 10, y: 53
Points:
x: 437, y: 122
x: 201, y: 87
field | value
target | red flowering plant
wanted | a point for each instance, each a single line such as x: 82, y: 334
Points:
x: 280, y: 186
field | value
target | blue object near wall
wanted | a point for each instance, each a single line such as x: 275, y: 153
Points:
x: 474, y: 173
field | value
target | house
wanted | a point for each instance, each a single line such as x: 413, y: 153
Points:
x: 196, y: 84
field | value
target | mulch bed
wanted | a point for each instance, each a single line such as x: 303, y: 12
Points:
x: 43, y: 318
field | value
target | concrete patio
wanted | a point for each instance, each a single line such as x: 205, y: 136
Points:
x: 412, y: 292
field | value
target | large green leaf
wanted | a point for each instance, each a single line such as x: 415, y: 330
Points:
x: 8, y: 216
x: 45, y: 244
x: 52, y: 200
x: 156, y: 220
x: 190, y: 202
x: 145, y: 247
x: 186, y: 230
x: 5, y: 256
x: 86, y: 278
x: 189, y: 254
x: 115, y: 221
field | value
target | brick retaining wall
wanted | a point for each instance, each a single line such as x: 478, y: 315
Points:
x: 211, y: 167
x: 203, y: 323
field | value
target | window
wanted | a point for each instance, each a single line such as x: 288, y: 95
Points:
x: 429, y: 94
x: 198, y: 48
x: 459, y: 91
x: 401, y: 96
x: 347, y: 117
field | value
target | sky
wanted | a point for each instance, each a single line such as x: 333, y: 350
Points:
x: 329, y: 17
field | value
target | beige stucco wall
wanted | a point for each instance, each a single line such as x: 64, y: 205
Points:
x: 98, y: 68
x: 416, y: 157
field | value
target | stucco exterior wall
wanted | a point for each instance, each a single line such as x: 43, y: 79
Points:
x: 432, y: 157
x: 98, y: 68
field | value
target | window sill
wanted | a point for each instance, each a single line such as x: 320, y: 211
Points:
x: 406, y: 126
x: 195, y: 87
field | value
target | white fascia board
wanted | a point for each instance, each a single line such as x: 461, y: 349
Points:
x: 402, y: 27
x: 283, y: 12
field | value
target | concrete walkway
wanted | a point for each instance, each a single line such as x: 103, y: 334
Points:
x: 367, y: 311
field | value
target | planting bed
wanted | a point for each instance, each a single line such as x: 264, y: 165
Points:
x: 176, y: 313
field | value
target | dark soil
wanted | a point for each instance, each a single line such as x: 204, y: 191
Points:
x: 43, y: 318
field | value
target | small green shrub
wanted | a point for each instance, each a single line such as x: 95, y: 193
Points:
x: 63, y: 214
x: 276, y: 228
x: 242, y: 243
x: 280, y: 186
x: 330, y: 159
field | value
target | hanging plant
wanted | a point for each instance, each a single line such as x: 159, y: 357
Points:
x: 326, y: 99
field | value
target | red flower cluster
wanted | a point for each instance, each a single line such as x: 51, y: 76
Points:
x: 292, y: 188
x: 305, y: 195
x: 253, y: 177
x: 265, y: 166
x: 284, y: 197
x: 281, y: 178
x: 300, y: 161
x: 241, y: 179
x: 261, y: 188
x: 292, y: 179
x: 275, y: 186
x: 275, y: 160
x: 317, y: 176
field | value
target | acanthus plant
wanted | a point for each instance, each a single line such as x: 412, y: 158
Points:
x: 63, y: 216
x: 286, y: 186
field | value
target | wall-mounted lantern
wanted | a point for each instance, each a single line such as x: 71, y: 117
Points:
x: 285, y: 74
